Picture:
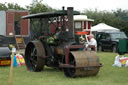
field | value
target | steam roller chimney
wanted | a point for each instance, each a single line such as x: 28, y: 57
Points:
x: 70, y: 22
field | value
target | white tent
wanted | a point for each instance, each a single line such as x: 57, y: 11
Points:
x: 102, y: 27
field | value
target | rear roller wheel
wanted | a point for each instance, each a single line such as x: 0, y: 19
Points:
x: 34, y: 56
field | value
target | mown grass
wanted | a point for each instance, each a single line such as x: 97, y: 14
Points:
x: 108, y: 75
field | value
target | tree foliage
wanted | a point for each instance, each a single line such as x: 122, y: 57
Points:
x: 37, y: 6
x: 3, y: 7
x: 14, y: 6
x: 123, y: 15
x: 102, y: 17
x: 7, y: 6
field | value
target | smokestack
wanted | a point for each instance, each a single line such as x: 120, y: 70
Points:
x: 63, y: 8
x: 70, y: 22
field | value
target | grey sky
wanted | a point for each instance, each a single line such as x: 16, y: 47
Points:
x: 79, y: 4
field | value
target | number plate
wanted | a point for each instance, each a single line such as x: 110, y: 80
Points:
x: 5, y: 62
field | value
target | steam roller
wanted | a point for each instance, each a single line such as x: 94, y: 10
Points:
x: 59, y: 45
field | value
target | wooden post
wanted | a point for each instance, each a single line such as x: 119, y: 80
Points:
x: 11, y: 69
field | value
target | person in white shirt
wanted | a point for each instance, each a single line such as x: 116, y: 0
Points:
x: 92, y: 42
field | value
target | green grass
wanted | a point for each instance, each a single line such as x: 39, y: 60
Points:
x: 108, y: 75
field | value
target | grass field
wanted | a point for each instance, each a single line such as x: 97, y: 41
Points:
x: 108, y: 75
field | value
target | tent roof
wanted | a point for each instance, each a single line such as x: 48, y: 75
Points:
x: 101, y: 27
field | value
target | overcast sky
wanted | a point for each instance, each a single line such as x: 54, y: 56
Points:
x: 78, y: 4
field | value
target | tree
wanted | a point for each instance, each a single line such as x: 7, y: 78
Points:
x: 3, y: 6
x: 37, y: 6
x: 123, y: 14
x: 102, y: 17
x: 14, y: 6
x: 7, y: 6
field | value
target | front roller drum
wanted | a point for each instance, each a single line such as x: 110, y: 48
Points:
x: 35, y: 56
x: 85, y: 64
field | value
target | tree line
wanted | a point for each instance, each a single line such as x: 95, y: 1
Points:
x: 116, y: 18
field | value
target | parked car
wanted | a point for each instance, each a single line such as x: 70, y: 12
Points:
x: 109, y: 40
x: 4, y: 42
x: 5, y: 52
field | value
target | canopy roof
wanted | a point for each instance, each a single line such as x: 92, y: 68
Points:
x: 102, y: 27
x: 49, y: 14
x: 82, y: 18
